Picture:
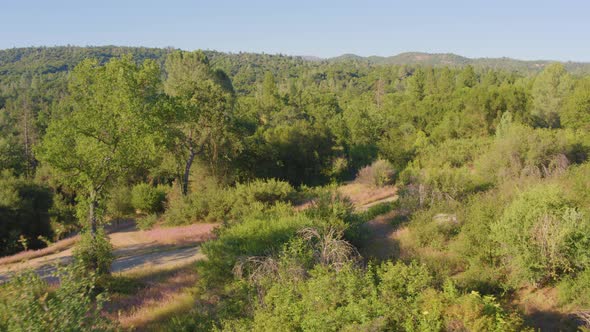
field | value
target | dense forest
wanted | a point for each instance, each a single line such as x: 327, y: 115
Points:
x: 489, y: 158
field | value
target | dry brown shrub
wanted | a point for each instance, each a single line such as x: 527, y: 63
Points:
x: 380, y: 173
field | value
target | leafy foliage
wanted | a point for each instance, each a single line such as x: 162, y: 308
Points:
x: 147, y: 198
x: 28, y: 304
x: 24, y: 214
x: 540, y: 233
x: 94, y: 253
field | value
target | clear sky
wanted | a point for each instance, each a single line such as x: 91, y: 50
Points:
x: 527, y: 29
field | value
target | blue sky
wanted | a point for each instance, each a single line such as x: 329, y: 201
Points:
x: 558, y: 30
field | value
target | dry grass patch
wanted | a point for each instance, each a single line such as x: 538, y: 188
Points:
x: 542, y: 311
x: 150, y: 295
x: 30, y: 254
x: 361, y: 194
x: 181, y: 235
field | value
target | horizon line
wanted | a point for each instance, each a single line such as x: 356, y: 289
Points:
x: 303, y: 55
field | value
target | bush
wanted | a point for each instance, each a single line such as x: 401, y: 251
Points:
x: 147, y: 198
x: 376, y: 210
x: 209, y: 203
x: 575, y: 289
x: 266, y: 191
x: 214, y: 204
x: 94, y: 253
x: 395, y: 297
x: 476, y: 247
x: 28, y: 304
x: 147, y: 222
x: 542, y: 236
x: 519, y: 151
x: 119, y: 202
x: 256, y: 235
x: 434, y: 227
x: 380, y: 173
x: 473, y: 312
x: 474, y: 242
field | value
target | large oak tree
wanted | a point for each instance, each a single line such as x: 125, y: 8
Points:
x: 105, y: 129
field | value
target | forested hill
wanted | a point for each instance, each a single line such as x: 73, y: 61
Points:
x: 454, y: 60
x: 246, y: 66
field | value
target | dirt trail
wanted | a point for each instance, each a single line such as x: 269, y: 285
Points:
x: 381, y: 242
x: 364, y: 196
x: 160, y: 258
x: 133, y: 249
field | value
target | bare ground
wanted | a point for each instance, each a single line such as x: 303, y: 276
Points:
x: 132, y: 249
x: 363, y: 196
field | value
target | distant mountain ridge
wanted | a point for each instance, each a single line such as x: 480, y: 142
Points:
x: 454, y: 60
x: 63, y: 58
x: 407, y: 58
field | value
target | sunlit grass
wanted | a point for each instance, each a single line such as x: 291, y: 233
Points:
x: 150, y: 295
x: 154, y: 315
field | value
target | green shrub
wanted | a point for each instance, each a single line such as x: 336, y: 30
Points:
x: 94, y: 253
x: 474, y: 242
x: 254, y: 236
x: 377, y: 210
x: 575, y: 289
x: 486, y: 279
x: 542, y: 236
x: 147, y: 198
x: 147, y: 222
x: 476, y: 247
x: 395, y: 297
x: 215, y: 204
x: 435, y: 226
x: 208, y: 204
x: 188, y: 322
x: 453, y: 152
x: 266, y: 191
x: 28, y: 304
x: 521, y: 151
x: 119, y: 202
x: 449, y: 183
x: 329, y: 205
x: 474, y: 312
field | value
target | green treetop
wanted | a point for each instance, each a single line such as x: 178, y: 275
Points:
x: 103, y: 132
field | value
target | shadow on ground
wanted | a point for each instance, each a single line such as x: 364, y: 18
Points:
x: 550, y: 321
x: 380, y: 242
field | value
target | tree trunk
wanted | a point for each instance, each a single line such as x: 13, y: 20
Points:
x: 187, y: 170
x: 93, y: 204
x: 27, y: 140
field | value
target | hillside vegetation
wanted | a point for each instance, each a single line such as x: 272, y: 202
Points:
x: 413, y: 193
